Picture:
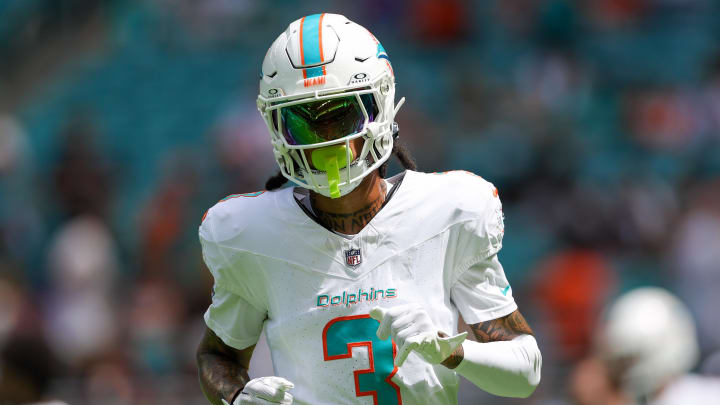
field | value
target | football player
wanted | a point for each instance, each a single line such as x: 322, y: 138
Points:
x: 645, y: 350
x: 358, y: 280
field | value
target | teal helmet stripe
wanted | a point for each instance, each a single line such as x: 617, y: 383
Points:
x: 311, y: 45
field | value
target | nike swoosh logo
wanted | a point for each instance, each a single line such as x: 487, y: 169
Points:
x: 505, y: 290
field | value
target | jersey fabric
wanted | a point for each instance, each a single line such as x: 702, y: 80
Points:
x: 435, y: 243
x: 690, y: 389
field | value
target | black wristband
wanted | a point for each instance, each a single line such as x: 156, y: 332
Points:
x: 234, y: 397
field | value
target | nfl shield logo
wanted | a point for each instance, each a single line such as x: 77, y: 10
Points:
x: 353, y: 258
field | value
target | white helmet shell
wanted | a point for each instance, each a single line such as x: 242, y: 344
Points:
x: 326, y: 56
x: 651, y: 334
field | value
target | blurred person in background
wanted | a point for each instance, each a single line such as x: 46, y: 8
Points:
x: 81, y: 311
x: 81, y: 316
x: 645, y: 349
x: 84, y: 329
x: 82, y: 256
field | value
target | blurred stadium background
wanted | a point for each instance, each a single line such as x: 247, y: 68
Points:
x: 122, y: 121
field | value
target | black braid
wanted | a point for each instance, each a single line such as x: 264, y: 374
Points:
x: 404, y: 156
x: 275, y: 182
x: 402, y: 153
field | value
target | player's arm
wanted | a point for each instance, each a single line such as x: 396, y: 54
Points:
x: 223, y: 370
x: 234, y: 326
x: 504, y: 361
x: 501, y: 329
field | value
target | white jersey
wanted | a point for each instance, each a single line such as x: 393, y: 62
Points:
x: 691, y: 389
x: 434, y: 243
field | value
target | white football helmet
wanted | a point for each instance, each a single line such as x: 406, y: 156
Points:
x: 648, y: 339
x: 326, y: 81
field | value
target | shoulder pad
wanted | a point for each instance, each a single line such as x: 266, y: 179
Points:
x: 231, y: 215
x: 464, y: 190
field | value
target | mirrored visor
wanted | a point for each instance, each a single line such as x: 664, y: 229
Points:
x: 325, y: 120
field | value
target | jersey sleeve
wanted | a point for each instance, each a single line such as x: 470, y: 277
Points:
x: 238, y: 307
x: 233, y: 319
x: 483, y: 293
x: 478, y: 287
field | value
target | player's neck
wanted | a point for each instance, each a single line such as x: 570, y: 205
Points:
x: 350, y: 213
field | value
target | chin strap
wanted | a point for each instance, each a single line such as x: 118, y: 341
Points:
x: 330, y: 160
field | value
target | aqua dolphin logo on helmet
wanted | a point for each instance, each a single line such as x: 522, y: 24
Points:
x: 327, y: 81
x: 381, y: 52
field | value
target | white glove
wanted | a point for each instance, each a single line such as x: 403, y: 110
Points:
x: 412, y: 329
x: 265, y: 390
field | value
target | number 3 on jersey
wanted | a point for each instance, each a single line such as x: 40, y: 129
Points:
x: 342, y: 334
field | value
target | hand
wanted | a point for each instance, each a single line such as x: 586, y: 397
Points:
x: 265, y: 390
x: 412, y: 329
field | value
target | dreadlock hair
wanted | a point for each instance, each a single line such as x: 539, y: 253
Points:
x: 275, y: 182
x: 401, y: 152
x: 403, y: 155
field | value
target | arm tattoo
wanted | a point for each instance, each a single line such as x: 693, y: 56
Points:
x: 455, y: 358
x: 505, y: 328
x: 220, y: 370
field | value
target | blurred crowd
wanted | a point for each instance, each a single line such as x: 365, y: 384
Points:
x: 122, y: 121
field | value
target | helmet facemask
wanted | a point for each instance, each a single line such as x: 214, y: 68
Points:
x: 312, y: 137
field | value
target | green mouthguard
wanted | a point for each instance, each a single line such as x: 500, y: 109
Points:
x: 331, y: 159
